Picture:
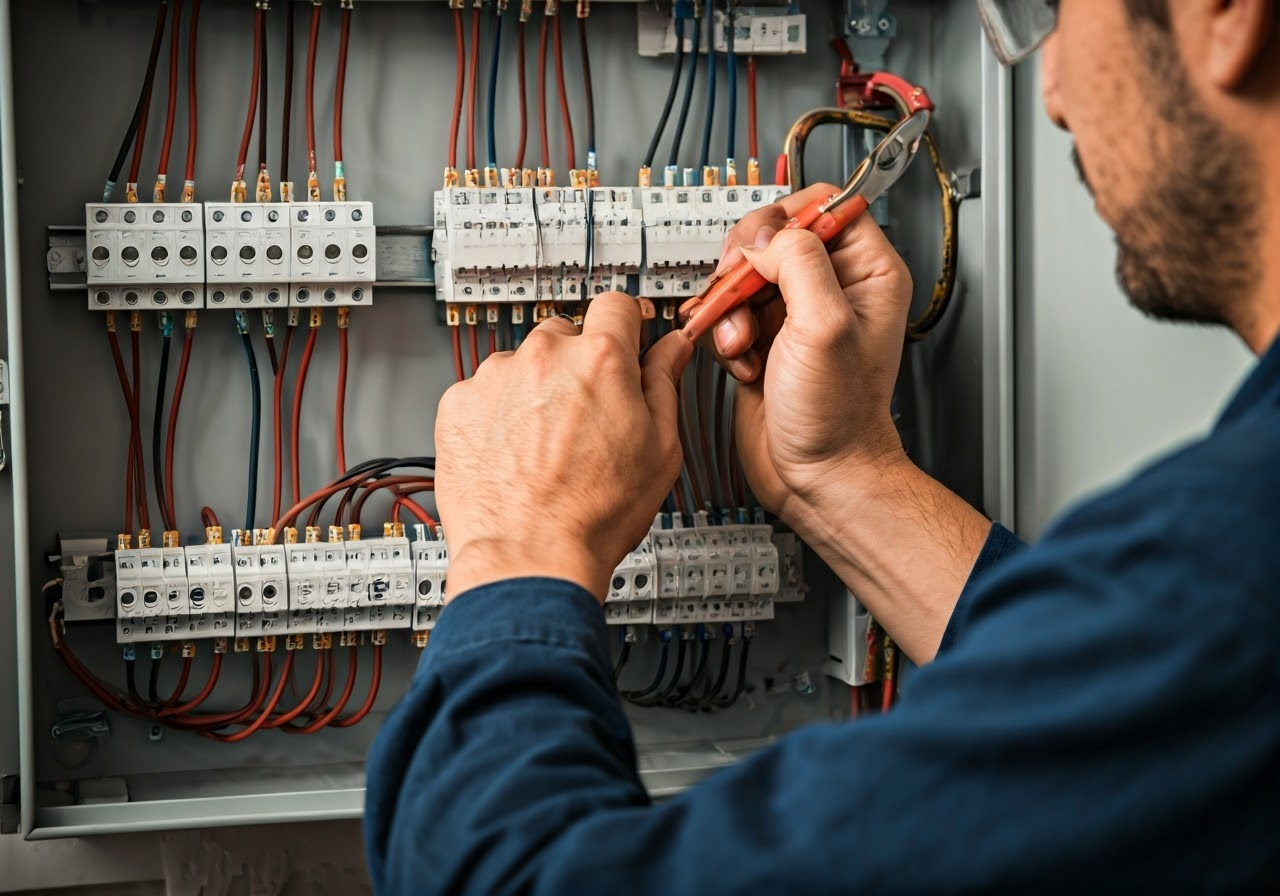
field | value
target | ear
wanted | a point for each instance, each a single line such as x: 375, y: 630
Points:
x: 1239, y: 32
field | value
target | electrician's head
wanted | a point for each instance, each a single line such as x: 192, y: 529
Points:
x: 1175, y: 109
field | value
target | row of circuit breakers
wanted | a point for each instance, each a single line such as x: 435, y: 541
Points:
x: 168, y: 256
x: 491, y: 247
x: 249, y: 588
x: 547, y: 244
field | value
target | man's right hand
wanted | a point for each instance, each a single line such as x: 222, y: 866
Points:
x: 818, y: 356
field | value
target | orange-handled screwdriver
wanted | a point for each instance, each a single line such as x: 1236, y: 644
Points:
x: 827, y: 219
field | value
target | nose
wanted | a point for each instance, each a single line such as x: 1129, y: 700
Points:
x: 1049, y: 79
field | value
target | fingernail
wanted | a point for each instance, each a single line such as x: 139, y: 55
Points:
x: 726, y: 334
x: 740, y: 370
x: 764, y: 236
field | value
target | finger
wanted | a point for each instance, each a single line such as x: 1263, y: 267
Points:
x: 660, y: 373
x: 798, y: 262
x: 746, y: 368
x: 774, y: 217
x: 862, y: 252
x: 614, y: 314
x: 735, y: 333
x: 554, y: 326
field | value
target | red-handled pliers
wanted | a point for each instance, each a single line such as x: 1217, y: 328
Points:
x: 877, y: 173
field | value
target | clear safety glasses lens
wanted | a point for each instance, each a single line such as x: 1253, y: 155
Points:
x: 1017, y: 28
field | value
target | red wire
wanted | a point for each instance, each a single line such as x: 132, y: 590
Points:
x: 296, y: 470
x: 312, y: 44
x: 136, y: 165
x: 267, y: 710
x: 130, y: 471
x: 524, y: 98
x: 340, y: 413
x: 459, y: 88
x: 419, y: 512
x: 288, y: 92
x: 278, y: 425
x: 264, y: 96
x: 417, y: 482
x: 257, y: 695
x: 341, y: 704
x: 459, y: 373
x: 753, y: 139
x: 341, y: 84
x: 243, y: 157
x: 209, y: 518
x: 474, y: 336
x: 171, y: 115
x: 493, y: 341
x: 374, y: 684
x: 542, y: 93
x: 140, y: 465
x: 172, y: 435
x: 780, y: 175
x: 564, y: 98
x: 298, y: 710
x: 210, y: 683
x: 475, y: 93
x: 192, y: 119
x: 181, y: 685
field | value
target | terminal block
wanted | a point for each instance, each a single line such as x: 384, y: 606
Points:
x: 249, y: 250
x: 144, y: 256
x: 688, y: 573
x: 334, y: 251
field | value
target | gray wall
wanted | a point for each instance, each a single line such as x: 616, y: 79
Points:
x: 1100, y: 388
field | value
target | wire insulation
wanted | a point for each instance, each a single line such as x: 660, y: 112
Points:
x: 288, y: 92
x: 277, y: 410
x: 692, y: 76
x: 264, y: 95
x: 192, y: 116
x: 247, y: 135
x: 137, y: 124
x: 474, y: 79
x: 157, y: 431
x: 313, y: 43
x: 255, y: 430
x: 460, y: 84
x: 340, y: 412
x: 677, y: 69
x: 171, y: 112
x: 171, y: 436
x: 753, y: 136
x: 295, y: 430
x: 340, y: 87
x: 544, y: 136
x: 704, y: 157
x: 524, y: 95
x: 495, y: 51
x: 590, y: 95
x: 563, y: 88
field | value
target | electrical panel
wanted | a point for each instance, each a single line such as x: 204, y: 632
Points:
x: 237, y: 368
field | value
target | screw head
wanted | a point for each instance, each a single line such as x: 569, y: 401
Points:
x: 218, y: 216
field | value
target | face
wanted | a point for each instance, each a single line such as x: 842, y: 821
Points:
x: 1173, y: 185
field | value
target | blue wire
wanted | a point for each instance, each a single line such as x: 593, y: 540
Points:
x: 705, y: 157
x: 732, y: 58
x: 255, y: 433
x: 493, y: 88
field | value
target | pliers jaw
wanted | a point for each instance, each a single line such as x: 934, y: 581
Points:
x: 886, y: 163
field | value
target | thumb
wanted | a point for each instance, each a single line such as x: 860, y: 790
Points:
x: 660, y: 373
x: 798, y: 262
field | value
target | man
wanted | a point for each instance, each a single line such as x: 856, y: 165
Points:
x: 1104, y: 707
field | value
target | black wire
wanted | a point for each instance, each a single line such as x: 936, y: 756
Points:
x: 683, y: 117
x: 157, y: 428
x: 731, y: 58
x: 590, y: 96
x: 742, y: 677
x: 708, y: 700
x: 623, y: 657
x: 255, y: 432
x: 147, y: 81
x: 153, y: 683
x: 701, y: 651
x: 376, y: 469
x: 704, y: 158
x: 131, y: 682
x: 682, y: 650
x: 676, y: 70
x: 288, y: 92
x: 657, y: 678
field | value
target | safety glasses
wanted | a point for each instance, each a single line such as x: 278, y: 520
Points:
x: 1017, y: 28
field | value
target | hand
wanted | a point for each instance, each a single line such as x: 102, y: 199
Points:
x: 819, y: 356
x: 554, y: 459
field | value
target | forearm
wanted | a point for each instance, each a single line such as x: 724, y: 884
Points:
x: 900, y: 540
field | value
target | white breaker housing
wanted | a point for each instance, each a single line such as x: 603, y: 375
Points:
x: 501, y: 246
x: 144, y: 255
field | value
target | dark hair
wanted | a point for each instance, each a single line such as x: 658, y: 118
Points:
x: 1155, y: 12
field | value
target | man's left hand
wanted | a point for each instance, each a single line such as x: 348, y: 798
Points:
x: 554, y: 459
